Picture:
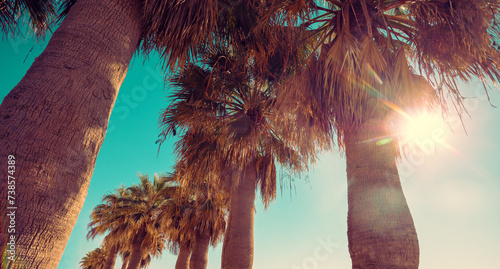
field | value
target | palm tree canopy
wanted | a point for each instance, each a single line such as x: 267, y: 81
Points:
x: 173, y: 28
x: 225, y: 105
x: 124, y: 213
x: 140, y: 210
x: 39, y: 13
x: 375, y: 57
x: 94, y: 259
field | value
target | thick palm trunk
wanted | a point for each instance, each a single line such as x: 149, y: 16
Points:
x: 54, y: 121
x: 183, y: 258
x: 111, y: 259
x: 237, y: 250
x: 381, y: 232
x: 135, y: 258
x: 199, y: 257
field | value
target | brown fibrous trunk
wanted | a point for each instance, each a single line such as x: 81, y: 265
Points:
x: 237, y: 249
x: 54, y: 122
x: 111, y: 259
x: 183, y: 257
x: 381, y: 231
x: 199, y: 256
x: 135, y: 258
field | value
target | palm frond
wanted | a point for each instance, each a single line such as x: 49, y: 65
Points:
x: 40, y: 14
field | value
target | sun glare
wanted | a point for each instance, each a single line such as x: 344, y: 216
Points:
x: 425, y: 126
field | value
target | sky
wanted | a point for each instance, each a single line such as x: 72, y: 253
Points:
x: 452, y: 186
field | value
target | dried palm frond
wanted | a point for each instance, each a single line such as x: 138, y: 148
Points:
x: 40, y: 14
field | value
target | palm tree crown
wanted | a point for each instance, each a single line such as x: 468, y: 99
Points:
x: 379, y: 57
x: 94, y: 259
x: 130, y: 215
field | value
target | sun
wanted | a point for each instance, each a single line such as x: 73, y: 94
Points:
x: 420, y: 128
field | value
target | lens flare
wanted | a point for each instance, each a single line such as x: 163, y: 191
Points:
x: 423, y: 127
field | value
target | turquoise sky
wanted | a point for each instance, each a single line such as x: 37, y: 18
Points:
x: 453, y: 188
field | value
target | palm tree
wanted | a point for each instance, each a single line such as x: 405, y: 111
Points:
x: 140, y: 211
x: 196, y: 218
x: 363, y: 75
x: 210, y: 221
x: 179, y: 233
x: 62, y: 106
x: 106, y: 218
x: 206, y: 217
x: 226, y: 105
x: 130, y: 216
x: 94, y: 259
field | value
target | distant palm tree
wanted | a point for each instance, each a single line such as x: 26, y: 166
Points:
x: 130, y: 217
x: 94, y: 259
x: 206, y: 217
x: 141, y: 210
x: 376, y: 59
x: 106, y: 218
x: 226, y: 106
x: 179, y: 233
x: 210, y: 222
x: 62, y: 105
x: 196, y: 217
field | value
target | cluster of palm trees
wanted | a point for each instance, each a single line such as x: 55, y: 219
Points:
x: 139, y: 222
x: 258, y: 84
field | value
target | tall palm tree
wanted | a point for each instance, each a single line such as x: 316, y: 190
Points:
x: 94, y: 259
x: 226, y: 105
x: 363, y: 75
x: 54, y: 121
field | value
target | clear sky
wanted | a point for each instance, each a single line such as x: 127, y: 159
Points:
x: 452, y: 188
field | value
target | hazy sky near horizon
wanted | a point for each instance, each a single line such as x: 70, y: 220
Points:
x: 452, y: 188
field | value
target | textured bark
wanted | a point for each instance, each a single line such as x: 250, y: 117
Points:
x: 111, y: 259
x: 237, y: 250
x: 199, y: 257
x: 135, y: 258
x: 183, y: 258
x: 381, y: 231
x: 54, y: 122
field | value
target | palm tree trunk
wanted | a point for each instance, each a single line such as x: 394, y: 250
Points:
x: 135, y: 258
x: 54, y: 121
x: 199, y: 257
x: 125, y: 262
x: 183, y: 257
x: 237, y: 250
x: 381, y: 232
x: 111, y: 259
